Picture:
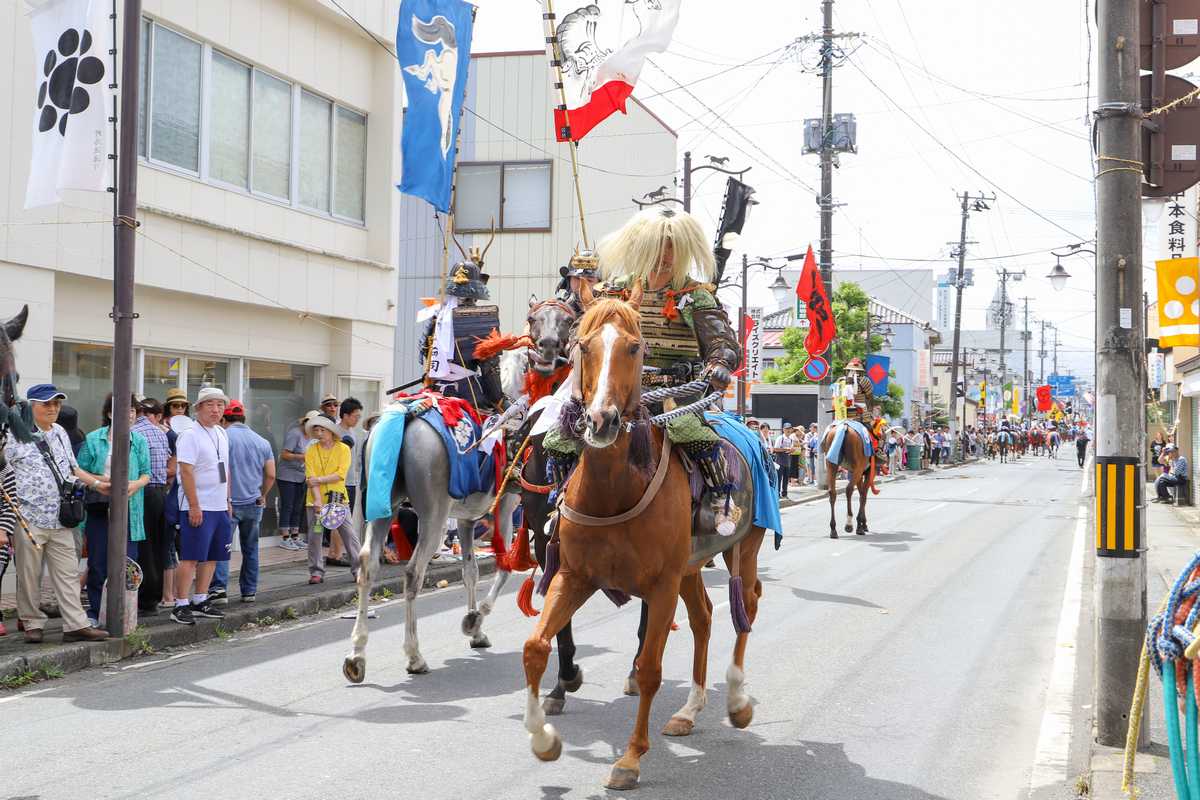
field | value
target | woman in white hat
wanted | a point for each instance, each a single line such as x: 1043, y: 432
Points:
x: 326, y: 463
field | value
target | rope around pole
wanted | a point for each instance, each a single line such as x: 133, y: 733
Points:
x: 573, y: 145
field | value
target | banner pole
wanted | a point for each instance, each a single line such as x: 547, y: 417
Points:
x: 556, y: 62
x: 447, y: 232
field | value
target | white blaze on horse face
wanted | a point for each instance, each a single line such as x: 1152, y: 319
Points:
x: 608, y: 337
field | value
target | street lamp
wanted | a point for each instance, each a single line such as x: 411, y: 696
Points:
x: 779, y: 282
x: 1058, y: 276
x: 659, y: 195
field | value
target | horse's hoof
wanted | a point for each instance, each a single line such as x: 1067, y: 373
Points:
x: 553, y: 706
x: 575, y: 683
x: 833, y: 534
x: 678, y: 726
x: 471, y: 623
x: 862, y: 531
x: 741, y: 718
x: 481, y: 642
x: 354, y: 668
x: 631, y: 687
x: 621, y: 778
x: 418, y: 667
x: 847, y: 527
x: 550, y: 751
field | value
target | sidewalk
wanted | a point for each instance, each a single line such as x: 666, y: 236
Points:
x: 283, y: 594
x: 1174, y: 536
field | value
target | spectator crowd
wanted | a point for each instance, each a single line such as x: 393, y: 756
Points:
x: 198, y: 476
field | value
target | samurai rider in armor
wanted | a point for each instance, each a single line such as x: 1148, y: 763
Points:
x: 687, y: 334
x: 582, y: 269
x: 458, y: 373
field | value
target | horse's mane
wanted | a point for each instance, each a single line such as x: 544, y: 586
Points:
x: 607, y: 310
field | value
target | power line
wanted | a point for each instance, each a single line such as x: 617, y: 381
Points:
x: 783, y: 47
x: 959, y: 158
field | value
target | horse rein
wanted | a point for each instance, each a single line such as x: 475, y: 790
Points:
x: 589, y: 521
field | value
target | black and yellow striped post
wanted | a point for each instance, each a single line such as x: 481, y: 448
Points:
x: 1118, y: 512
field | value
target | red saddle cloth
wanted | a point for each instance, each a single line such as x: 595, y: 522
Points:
x: 452, y: 408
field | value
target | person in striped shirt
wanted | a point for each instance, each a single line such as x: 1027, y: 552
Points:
x: 8, y: 522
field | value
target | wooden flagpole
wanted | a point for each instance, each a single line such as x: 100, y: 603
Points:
x: 448, y: 229
x: 556, y: 62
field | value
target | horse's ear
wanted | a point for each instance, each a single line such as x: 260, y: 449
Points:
x: 15, y: 326
x: 635, y: 295
x: 532, y: 300
x: 585, y: 293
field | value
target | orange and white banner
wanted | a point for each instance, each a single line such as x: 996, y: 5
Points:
x: 1178, y: 302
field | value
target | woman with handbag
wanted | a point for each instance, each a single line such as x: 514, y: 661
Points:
x: 96, y: 456
x: 50, y: 487
x: 326, y: 463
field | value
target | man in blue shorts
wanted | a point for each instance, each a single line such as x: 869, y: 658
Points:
x: 205, y: 532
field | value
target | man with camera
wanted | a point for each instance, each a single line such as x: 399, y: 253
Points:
x: 50, y: 487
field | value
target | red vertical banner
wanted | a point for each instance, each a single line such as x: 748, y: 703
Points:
x: 811, y: 296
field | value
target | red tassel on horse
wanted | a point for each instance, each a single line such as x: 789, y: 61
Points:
x: 525, y: 598
x: 517, y: 558
x: 494, y: 344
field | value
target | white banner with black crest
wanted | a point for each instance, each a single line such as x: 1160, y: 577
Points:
x: 72, y: 137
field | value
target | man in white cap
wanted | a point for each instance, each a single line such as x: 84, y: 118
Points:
x: 205, y: 512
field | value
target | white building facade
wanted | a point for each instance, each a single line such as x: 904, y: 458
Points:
x: 268, y: 154
x: 511, y: 170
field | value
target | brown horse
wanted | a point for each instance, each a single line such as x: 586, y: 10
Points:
x: 630, y: 531
x: 858, y: 465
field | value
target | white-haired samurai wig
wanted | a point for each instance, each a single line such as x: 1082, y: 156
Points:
x: 636, y: 249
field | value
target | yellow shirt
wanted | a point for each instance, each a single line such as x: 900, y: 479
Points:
x: 319, y: 462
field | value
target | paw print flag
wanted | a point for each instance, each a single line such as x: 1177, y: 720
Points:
x: 72, y: 136
x: 602, y: 46
x: 433, y: 45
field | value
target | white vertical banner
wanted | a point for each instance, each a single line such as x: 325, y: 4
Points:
x: 1177, y: 229
x: 72, y: 137
x: 754, y: 345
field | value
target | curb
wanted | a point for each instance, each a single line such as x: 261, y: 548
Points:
x: 74, y: 657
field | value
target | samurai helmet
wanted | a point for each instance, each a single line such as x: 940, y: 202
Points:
x: 467, y: 281
x: 584, y: 264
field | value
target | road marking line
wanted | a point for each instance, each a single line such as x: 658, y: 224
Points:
x: 934, y: 508
x: 1050, y: 761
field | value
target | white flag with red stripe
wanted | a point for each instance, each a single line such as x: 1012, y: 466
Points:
x: 604, y: 44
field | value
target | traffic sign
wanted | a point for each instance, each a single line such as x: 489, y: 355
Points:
x: 1179, y: 133
x: 1181, y: 32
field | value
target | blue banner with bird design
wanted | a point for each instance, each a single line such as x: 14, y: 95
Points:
x: 433, y: 45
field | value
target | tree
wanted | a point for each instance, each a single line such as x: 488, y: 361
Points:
x: 849, y: 304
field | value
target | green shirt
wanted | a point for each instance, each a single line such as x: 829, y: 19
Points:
x: 92, y: 457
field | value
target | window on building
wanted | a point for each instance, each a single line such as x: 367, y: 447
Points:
x: 315, y: 140
x: 351, y: 164
x: 143, y: 88
x: 272, y: 135
x: 935, y: 380
x: 229, y: 123
x: 516, y: 194
x: 204, y: 372
x: 175, y: 100
x: 245, y: 136
x: 84, y: 373
x: 160, y: 373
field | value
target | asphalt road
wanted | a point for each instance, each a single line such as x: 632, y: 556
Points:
x: 909, y: 664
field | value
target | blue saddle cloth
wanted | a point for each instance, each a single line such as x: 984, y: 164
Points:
x: 470, y: 472
x: 834, y: 456
x: 762, y: 469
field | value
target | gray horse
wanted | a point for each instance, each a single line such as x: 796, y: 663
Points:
x: 423, y: 475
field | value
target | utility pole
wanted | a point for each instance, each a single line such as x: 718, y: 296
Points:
x: 1120, y: 579
x: 978, y: 203
x: 1005, y: 275
x: 1025, y: 361
x: 1055, y: 350
x: 1042, y: 355
x: 124, y: 230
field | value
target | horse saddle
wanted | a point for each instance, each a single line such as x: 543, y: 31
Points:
x: 706, y: 542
